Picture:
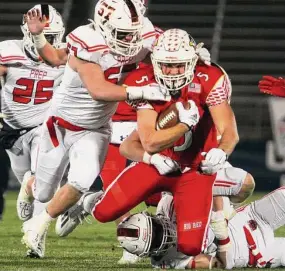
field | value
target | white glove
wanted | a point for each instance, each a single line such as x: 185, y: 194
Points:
x: 191, y: 116
x: 149, y: 92
x: 203, y: 53
x: 209, y: 169
x: 214, y: 161
x: 163, y: 164
x: 216, y: 156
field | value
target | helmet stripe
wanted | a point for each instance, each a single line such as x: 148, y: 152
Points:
x: 133, y: 11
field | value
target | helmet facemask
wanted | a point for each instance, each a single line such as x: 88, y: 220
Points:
x: 145, y: 235
x: 121, y: 24
x: 174, y: 59
x: 174, y: 82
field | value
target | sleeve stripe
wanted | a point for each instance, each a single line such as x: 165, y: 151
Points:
x: 85, y: 46
x: 149, y: 34
x: 11, y: 58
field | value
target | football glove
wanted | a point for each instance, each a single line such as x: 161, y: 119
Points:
x: 191, y: 116
x: 273, y: 86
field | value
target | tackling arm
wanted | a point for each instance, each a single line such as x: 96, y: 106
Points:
x: 225, y: 123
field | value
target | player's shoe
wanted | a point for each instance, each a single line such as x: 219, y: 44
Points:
x: 40, y: 252
x: 34, y: 237
x: 129, y: 258
x: 75, y: 215
x: 25, y: 204
x: 68, y: 221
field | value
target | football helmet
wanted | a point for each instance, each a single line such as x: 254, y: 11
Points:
x: 145, y: 235
x: 120, y: 22
x: 53, y: 30
x: 174, y: 48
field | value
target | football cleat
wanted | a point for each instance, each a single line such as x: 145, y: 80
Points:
x: 129, y: 258
x: 34, y: 237
x: 25, y: 204
x: 40, y: 252
x: 67, y: 222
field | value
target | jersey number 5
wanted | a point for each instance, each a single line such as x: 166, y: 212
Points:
x: 25, y: 95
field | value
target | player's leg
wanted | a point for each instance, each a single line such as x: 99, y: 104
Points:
x: 193, y: 202
x: 235, y: 183
x: 128, y: 190
x: 51, y: 163
x: 270, y: 210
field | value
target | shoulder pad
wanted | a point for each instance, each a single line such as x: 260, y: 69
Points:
x: 86, y: 43
x: 11, y: 52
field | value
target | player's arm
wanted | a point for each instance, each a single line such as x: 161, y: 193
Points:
x: 225, y: 122
x: 36, y: 24
x: 132, y: 148
x: 154, y: 141
x: 203, y: 261
x: 94, y: 80
x: 54, y: 57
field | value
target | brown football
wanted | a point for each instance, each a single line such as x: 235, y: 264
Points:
x: 169, y: 117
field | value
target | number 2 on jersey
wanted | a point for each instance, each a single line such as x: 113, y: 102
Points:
x: 25, y: 95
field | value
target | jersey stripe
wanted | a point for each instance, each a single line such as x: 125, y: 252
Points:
x: 85, y: 46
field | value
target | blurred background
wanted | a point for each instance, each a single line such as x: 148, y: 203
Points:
x: 246, y: 37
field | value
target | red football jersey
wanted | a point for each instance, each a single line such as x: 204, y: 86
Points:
x: 210, y: 87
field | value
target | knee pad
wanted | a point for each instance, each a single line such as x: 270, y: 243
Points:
x: 44, y: 193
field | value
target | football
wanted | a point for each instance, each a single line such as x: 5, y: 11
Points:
x: 169, y: 117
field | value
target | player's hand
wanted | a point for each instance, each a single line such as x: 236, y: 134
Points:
x: 191, y: 116
x: 214, y: 161
x: 209, y: 169
x: 163, y: 164
x: 35, y: 21
x: 273, y: 86
x: 203, y: 54
x: 152, y: 92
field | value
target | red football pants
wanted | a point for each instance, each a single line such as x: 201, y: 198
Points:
x: 192, y: 194
x: 114, y: 165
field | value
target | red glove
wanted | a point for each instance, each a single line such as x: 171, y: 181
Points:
x: 273, y: 86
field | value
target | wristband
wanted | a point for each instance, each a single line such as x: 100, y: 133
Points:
x: 146, y: 158
x: 39, y: 40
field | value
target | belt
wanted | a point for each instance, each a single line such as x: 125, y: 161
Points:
x: 62, y: 123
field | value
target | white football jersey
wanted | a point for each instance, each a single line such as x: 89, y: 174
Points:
x: 28, y: 86
x: 262, y: 234
x: 72, y: 101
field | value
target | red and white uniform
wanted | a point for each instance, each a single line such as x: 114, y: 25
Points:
x: 251, y: 228
x: 124, y: 121
x: 78, y: 125
x: 139, y: 180
x: 25, y: 98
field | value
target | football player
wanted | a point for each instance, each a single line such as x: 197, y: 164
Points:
x: 77, y: 131
x: 171, y: 157
x: 27, y: 90
x: 251, y: 231
x: 273, y: 86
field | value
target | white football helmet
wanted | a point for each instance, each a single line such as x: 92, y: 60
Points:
x: 145, y: 235
x: 53, y: 31
x: 174, y: 47
x: 120, y: 22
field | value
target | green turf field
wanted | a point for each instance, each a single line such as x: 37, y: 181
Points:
x: 89, y: 247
